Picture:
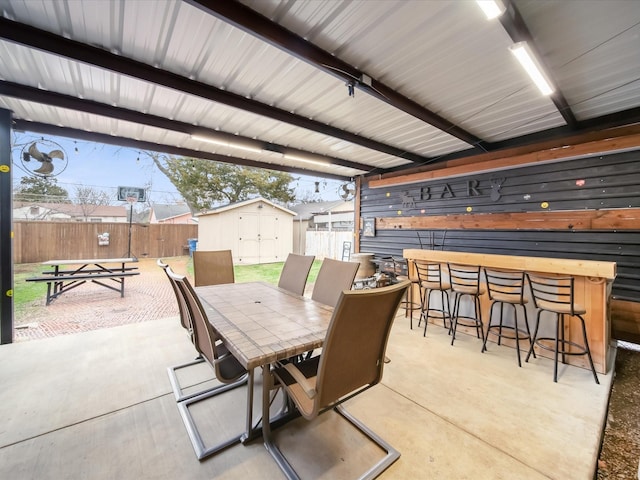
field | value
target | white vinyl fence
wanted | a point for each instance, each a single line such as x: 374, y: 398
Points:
x: 327, y: 244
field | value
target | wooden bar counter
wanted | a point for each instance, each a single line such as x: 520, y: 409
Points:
x: 593, y: 281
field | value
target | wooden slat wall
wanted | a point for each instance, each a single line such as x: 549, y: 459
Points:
x: 583, y: 208
x: 41, y: 241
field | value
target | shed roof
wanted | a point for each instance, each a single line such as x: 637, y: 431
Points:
x: 233, y: 206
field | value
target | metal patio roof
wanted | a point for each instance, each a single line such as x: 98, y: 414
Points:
x: 329, y: 88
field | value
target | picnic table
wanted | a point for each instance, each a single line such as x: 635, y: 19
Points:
x: 64, y: 275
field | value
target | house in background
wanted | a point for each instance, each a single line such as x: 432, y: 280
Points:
x: 321, y: 228
x: 69, y: 212
x: 171, y: 213
x: 256, y: 231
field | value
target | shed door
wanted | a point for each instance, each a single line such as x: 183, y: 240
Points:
x: 268, y: 238
x: 249, y: 241
x: 258, y: 238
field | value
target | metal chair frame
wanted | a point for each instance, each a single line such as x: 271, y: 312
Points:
x: 506, y: 288
x: 185, y: 321
x: 409, y: 304
x: 556, y: 295
x: 227, y: 369
x: 430, y: 278
x: 465, y: 281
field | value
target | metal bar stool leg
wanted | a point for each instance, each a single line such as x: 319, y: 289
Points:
x: 535, y: 336
x: 424, y: 314
x: 555, y: 364
x: 454, y: 321
x: 484, y: 344
x: 515, y: 322
x: 586, y: 343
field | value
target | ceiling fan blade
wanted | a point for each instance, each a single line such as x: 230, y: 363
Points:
x: 56, y: 154
x: 35, y: 153
x: 45, y: 169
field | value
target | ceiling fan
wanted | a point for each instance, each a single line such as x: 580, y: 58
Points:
x: 47, y: 166
x: 347, y: 191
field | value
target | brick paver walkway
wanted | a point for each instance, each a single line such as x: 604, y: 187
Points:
x: 147, y: 296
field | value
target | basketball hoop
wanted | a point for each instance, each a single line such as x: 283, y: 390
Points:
x: 131, y: 195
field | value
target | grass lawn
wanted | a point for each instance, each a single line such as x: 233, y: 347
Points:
x: 24, y: 292
x: 268, y: 272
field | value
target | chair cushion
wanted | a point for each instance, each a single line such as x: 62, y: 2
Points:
x: 564, y: 308
x: 444, y: 285
x: 508, y: 297
x: 470, y: 289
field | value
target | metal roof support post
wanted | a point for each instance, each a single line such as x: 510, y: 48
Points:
x: 6, y: 231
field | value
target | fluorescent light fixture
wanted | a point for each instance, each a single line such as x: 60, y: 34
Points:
x: 306, y: 160
x: 526, y: 58
x: 491, y: 8
x: 245, y: 148
x: 224, y: 143
x: 209, y: 140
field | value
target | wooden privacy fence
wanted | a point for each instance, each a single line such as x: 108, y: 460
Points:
x: 41, y: 241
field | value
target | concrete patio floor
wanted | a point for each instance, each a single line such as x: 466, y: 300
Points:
x: 98, y: 404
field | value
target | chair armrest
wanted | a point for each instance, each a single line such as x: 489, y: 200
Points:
x: 301, y: 379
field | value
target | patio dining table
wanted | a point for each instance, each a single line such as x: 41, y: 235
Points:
x: 261, y: 324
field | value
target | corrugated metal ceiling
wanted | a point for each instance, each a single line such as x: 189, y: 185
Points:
x: 441, y: 58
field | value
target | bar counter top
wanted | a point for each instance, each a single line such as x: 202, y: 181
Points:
x: 561, y: 266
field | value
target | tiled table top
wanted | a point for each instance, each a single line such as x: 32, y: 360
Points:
x: 261, y: 323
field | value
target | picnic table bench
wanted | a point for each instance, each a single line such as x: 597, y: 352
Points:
x: 95, y: 270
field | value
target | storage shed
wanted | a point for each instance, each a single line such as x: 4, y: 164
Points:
x: 256, y: 231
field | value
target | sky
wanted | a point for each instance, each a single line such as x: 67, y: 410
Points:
x: 106, y: 167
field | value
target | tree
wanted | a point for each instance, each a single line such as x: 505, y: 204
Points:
x: 205, y: 184
x: 89, y: 199
x: 40, y: 189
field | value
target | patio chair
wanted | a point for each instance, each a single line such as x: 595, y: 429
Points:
x: 293, y: 277
x: 212, y: 267
x: 185, y: 321
x: 334, y: 277
x: 323, y: 383
x: 228, y: 371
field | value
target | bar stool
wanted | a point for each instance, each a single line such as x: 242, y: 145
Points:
x: 431, y: 280
x: 408, y: 302
x: 465, y: 281
x: 507, y: 288
x: 556, y: 295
